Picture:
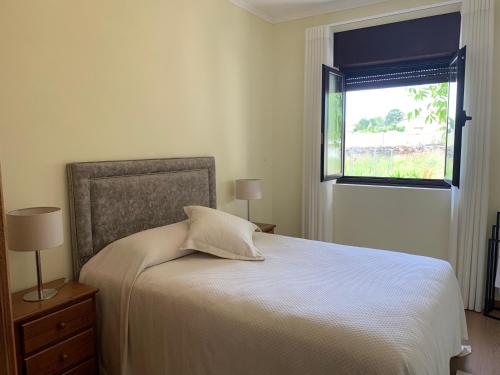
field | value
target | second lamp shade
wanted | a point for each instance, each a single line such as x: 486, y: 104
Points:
x: 249, y: 189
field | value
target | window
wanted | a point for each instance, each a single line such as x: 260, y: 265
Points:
x: 385, y: 137
x: 398, y: 122
x: 333, y: 114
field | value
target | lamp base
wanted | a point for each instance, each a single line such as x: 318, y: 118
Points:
x: 33, y: 296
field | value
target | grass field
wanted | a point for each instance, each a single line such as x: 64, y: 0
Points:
x: 429, y: 164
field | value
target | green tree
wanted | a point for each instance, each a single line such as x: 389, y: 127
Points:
x: 436, y: 108
x: 362, y: 125
x: 335, y: 114
x: 334, y: 132
x: 376, y: 125
x: 394, y: 117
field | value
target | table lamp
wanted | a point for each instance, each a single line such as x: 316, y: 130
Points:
x: 35, y: 229
x: 249, y: 189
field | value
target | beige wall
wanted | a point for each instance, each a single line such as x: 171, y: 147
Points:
x: 120, y: 79
x: 393, y: 218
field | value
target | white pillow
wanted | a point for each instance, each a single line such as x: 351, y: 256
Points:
x: 152, y: 246
x: 220, y: 234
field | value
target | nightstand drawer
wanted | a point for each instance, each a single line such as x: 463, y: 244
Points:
x: 62, y: 356
x: 86, y: 368
x: 61, y: 324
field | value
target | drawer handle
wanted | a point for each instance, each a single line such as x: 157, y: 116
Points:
x: 61, y: 325
x: 64, y: 357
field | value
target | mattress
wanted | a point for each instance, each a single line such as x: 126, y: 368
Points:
x: 309, y: 308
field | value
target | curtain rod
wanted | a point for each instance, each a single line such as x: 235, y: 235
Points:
x: 397, y: 12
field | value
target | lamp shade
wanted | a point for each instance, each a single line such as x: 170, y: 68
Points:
x: 36, y: 228
x: 249, y: 189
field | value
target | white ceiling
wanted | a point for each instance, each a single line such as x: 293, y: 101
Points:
x: 286, y: 10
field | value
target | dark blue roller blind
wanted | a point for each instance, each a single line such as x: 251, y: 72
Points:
x: 400, y: 74
x: 419, y: 39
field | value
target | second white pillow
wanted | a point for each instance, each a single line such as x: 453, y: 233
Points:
x: 220, y: 234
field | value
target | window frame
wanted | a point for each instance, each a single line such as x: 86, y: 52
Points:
x: 325, y: 84
x: 461, y: 118
x: 396, y: 181
x: 391, y: 181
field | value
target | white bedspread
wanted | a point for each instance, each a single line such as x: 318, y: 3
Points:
x: 309, y: 308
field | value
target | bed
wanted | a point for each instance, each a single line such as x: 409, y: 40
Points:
x: 309, y: 308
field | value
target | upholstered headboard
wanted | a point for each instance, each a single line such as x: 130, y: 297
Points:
x: 110, y: 200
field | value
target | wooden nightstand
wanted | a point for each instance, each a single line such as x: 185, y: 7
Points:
x: 57, y: 336
x: 266, y: 228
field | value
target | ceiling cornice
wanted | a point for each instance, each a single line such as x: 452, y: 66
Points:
x: 250, y: 8
x: 324, y: 9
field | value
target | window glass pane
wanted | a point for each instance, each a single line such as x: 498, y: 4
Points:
x: 397, y: 132
x: 450, y: 143
x: 334, y: 122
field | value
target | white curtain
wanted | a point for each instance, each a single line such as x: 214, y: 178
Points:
x: 317, y: 197
x: 468, y: 232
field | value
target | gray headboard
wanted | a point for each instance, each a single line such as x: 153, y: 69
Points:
x: 110, y: 200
